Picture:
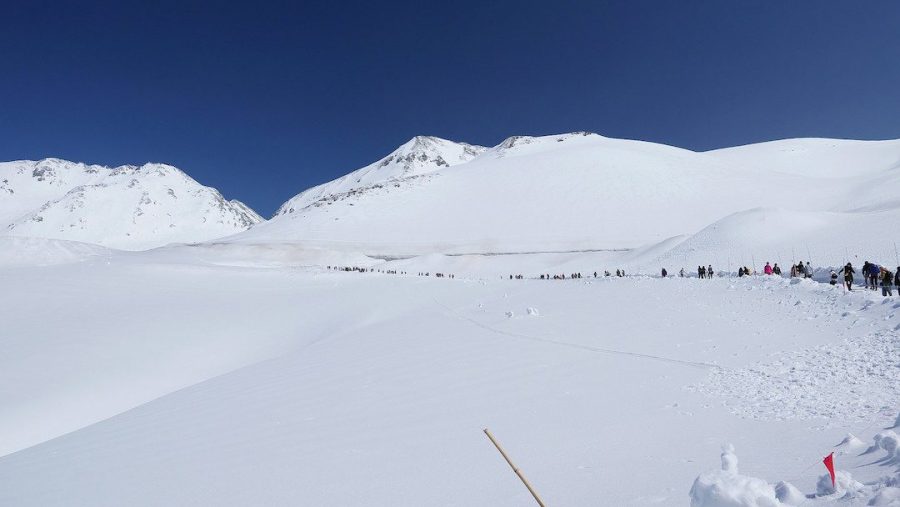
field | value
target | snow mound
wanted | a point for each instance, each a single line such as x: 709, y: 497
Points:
x: 844, y: 484
x: 728, y: 488
x: 788, y: 494
x: 889, y: 442
x: 851, y: 442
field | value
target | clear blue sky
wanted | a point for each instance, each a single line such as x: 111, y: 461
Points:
x: 264, y: 99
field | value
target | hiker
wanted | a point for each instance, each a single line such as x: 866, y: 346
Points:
x: 768, y: 269
x: 809, y: 270
x: 875, y: 271
x: 865, y: 273
x: 897, y: 280
x: 664, y: 273
x: 886, y: 278
x: 848, y: 276
x: 701, y: 271
x: 709, y: 271
x: 740, y: 272
x: 776, y: 269
x: 681, y: 273
x: 793, y: 270
x: 833, y: 278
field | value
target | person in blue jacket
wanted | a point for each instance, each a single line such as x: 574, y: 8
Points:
x: 874, y: 272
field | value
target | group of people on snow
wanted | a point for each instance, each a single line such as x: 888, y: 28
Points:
x: 356, y: 269
x: 563, y: 276
x: 873, y: 275
x: 799, y: 270
x: 776, y: 269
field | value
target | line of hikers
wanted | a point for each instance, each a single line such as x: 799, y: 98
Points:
x: 571, y: 276
x: 355, y: 269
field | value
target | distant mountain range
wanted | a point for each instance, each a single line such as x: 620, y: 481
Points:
x: 582, y: 191
x: 562, y: 193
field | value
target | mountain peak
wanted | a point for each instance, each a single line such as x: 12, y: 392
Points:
x: 424, y: 154
x: 129, y: 206
x: 420, y: 156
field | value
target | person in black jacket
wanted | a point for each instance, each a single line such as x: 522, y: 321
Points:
x: 664, y: 273
x: 886, y: 279
x: 848, y: 276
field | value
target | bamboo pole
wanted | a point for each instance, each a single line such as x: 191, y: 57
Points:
x: 516, y: 470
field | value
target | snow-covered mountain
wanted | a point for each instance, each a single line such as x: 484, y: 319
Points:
x: 127, y: 207
x: 583, y: 191
x: 420, y: 156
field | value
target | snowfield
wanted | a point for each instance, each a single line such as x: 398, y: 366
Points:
x: 163, y: 346
x: 168, y: 378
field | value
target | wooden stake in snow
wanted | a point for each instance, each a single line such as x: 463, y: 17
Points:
x: 516, y: 470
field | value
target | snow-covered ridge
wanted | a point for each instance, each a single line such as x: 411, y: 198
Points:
x: 128, y: 207
x: 419, y: 156
x: 582, y: 191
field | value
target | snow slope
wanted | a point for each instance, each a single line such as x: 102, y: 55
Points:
x: 581, y: 191
x: 142, y: 379
x: 126, y: 207
x: 417, y: 157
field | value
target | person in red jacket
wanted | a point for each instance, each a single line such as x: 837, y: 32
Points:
x: 768, y: 269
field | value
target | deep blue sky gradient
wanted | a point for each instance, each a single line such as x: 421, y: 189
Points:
x: 263, y: 99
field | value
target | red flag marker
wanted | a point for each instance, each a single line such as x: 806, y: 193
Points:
x: 829, y: 464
